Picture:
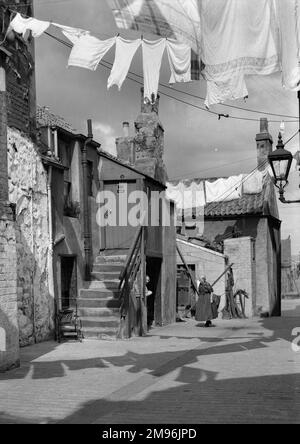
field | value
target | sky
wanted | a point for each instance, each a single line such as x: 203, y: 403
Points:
x: 197, y: 144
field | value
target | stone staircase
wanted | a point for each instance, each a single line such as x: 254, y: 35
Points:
x: 98, y: 302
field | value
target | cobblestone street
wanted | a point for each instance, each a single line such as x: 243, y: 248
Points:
x: 239, y: 371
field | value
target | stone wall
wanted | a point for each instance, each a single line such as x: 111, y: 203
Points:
x: 9, y: 331
x: 207, y: 263
x: 28, y: 192
x: 241, y: 253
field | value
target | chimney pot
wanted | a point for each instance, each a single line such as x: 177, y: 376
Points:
x: 264, y: 125
x: 126, y: 129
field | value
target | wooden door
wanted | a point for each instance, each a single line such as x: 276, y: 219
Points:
x: 121, y: 236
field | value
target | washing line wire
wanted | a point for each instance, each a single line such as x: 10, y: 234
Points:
x: 219, y: 115
x: 185, y: 92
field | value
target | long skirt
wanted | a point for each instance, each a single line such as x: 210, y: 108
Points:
x: 203, y: 308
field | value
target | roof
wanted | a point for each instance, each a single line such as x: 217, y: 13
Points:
x: 130, y: 167
x: 45, y: 118
x: 261, y: 204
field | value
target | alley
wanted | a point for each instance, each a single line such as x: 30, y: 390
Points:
x: 239, y: 371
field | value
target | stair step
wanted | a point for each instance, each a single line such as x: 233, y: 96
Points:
x: 114, y: 259
x: 100, y: 276
x: 105, y: 322
x: 99, y: 333
x: 99, y: 293
x: 108, y: 268
x: 112, y: 284
x: 98, y: 303
x: 100, y: 312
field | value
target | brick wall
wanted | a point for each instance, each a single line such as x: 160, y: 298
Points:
x: 241, y: 252
x: 9, y: 354
x: 20, y: 73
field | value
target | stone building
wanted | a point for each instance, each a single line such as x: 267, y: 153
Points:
x: 17, y: 116
x: 248, y: 228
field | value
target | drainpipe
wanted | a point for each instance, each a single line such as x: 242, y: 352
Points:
x: 51, y: 242
x: 87, y: 234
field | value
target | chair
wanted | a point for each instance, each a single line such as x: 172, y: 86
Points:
x: 68, y: 324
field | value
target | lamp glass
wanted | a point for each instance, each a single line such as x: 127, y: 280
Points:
x: 280, y: 169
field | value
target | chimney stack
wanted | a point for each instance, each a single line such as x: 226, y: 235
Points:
x: 264, y: 142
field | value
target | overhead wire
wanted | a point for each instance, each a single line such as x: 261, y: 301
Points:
x: 196, y: 96
x: 108, y: 65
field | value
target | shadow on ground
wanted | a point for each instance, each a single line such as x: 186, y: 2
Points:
x: 199, y: 396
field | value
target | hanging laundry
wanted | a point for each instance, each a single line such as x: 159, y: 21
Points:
x: 232, y: 89
x: 88, y: 51
x: 125, y: 51
x: 193, y: 195
x: 224, y: 189
x: 179, y: 55
x: 175, y: 19
x: 239, y: 38
x: 73, y: 34
x: 175, y: 193
x: 153, y: 52
x: 187, y: 196
x: 288, y: 18
x: 253, y: 183
x: 20, y: 25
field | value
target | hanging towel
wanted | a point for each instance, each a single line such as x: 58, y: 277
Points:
x: 125, y: 51
x: 224, y: 189
x: 193, y: 196
x: 153, y: 52
x: 232, y: 89
x: 175, y: 193
x: 239, y: 36
x: 73, y: 34
x: 88, y: 51
x: 180, y: 57
x: 288, y: 17
x: 253, y: 183
x: 20, y: 25
x: 187, y: 197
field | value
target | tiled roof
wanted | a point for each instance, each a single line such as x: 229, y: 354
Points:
x: 247, y: 204
x: 44, y: 117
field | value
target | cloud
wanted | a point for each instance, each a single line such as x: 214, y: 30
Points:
x: 105, y: 134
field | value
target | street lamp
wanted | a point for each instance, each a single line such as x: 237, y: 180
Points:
x: 281, y: 162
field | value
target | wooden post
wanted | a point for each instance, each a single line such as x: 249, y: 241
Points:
x: 143, y: 305
x: 102, y: 228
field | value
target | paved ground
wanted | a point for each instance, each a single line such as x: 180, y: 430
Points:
x: 239, y: 371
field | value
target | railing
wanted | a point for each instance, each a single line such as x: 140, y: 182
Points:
x: 132, y: 289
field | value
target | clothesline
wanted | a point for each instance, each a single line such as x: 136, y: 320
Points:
x: 88, y: 51
x: 108, y: 66
x: 197, y: 194
x: 267, y: 54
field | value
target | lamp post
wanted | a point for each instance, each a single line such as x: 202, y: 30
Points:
x: 281, y: 162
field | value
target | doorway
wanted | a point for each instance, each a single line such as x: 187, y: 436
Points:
x: 68, y: 281
x: 121, y: 236
x: 154, y: 302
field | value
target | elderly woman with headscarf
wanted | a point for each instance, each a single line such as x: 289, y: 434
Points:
x: 203, y: 308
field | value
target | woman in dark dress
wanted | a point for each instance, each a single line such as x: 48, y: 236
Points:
x: 203, y: 308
